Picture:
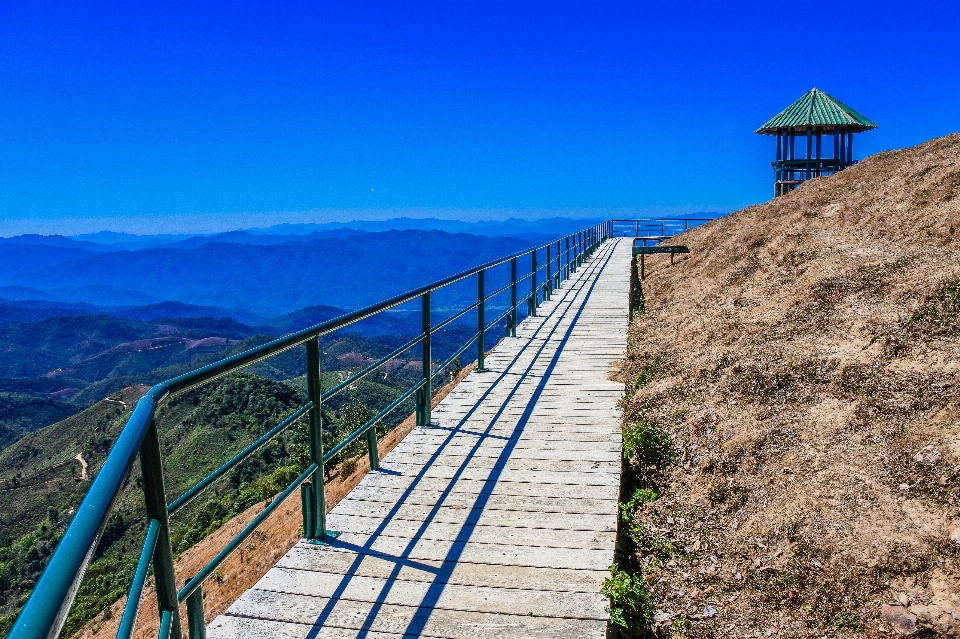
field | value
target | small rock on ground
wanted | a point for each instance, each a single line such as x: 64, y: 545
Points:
x: 902, y: 620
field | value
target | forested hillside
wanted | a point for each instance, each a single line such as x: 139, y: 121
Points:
x: 47, y: 470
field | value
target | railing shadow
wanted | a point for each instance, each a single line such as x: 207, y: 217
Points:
x: 442, y: 574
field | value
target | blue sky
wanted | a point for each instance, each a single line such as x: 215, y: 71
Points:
x: 204, y: 116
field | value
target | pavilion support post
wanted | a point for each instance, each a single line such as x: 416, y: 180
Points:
x: 819, y: 149
x: 843, y: 148
x: 793, y: 154
x: 836, y: 146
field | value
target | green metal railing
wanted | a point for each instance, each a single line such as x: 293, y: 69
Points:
x: 659, y: 226
x: 49, y: 604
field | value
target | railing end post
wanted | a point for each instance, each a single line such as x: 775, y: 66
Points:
x: 196, y: 627
x: 372, y: 450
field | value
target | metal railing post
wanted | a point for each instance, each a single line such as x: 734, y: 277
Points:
x: 548, y: 276
x: 481, y: 321
x: 318, y: 505
x: 425, y: 394
x: 533, y: 284
x: 306, y: 507
x: 566, y: 267
x: 513, y: 298
x: 151, y: 469
x: 196, y: 628
x: 559, y: 262
x: 372, y: 451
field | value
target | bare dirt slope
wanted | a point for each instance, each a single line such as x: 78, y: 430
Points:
x: 805, y: 360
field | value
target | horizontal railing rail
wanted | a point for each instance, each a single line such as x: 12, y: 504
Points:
x: 49, y: 604
x: 666, y: 225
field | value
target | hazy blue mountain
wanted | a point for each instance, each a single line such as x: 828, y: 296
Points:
x: 18, y: 260
x: 349, y: 272
x: 37, y: 309
x: 21, y: 312
x: 161, y: 310
x: 79, y: 297
x: 55, y: 241
x: 27, y: 293
x: 545, y: 227
x: 129, y: 241
x: 388, y: 323
x: 94, y: 347
x: 104, y: 295
x: 245, y: 237
x: 536, y: 228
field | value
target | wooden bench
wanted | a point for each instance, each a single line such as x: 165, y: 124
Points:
x: 657, y: 249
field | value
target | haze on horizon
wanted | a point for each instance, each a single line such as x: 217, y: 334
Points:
x: 204, y: 117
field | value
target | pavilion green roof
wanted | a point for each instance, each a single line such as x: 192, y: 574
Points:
x: 817, y: 109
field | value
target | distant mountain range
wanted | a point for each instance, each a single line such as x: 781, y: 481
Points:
x: 32, y: 310
x: 267, y: 280
x: 256, y: 274
x: 109, y: 240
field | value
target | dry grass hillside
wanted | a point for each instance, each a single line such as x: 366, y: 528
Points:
x: 805, y: 362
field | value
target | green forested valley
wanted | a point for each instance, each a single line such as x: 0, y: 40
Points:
x: 51, y: 441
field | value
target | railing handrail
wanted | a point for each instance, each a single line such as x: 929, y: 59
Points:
x: 666, y: 219
x: 49, y: 604
x: 191, y: 380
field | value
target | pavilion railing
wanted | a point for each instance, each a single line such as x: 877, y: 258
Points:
x: 49, y: 604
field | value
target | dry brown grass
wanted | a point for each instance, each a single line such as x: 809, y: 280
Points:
x: 244, y: 568
x: 807, y: 351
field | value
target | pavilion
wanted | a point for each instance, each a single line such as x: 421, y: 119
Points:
x: 811, y: 117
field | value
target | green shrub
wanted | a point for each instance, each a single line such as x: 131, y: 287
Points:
x: 650, y: 544
x: 639, y: 498
x: 647, y: 373
x: 647, y: 444
x: 939, y: 313
x: 631, y: 606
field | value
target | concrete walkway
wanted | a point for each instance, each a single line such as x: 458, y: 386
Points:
x: 499, y: 521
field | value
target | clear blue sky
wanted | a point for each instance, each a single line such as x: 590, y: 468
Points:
x: 193, y: 114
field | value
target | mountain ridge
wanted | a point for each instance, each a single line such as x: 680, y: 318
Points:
x: 266, y: 280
